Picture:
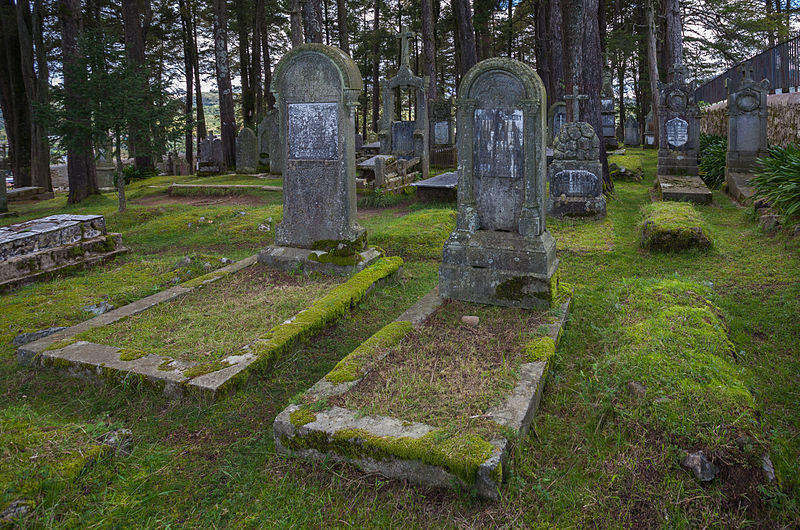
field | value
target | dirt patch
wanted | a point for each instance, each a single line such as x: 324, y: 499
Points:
x: 199, y: 200
x: 446, y: 373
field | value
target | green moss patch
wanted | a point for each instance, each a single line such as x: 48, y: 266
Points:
x: 205, y: 368
x: 301, y: 416
x: 444, y: 373
x: 127, y: 354
x: 540, y: 349
x: 674, y: 343
x: 673, y: 226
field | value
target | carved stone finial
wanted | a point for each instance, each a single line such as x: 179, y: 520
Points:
x: 404, y: 36
x: 576, y: 99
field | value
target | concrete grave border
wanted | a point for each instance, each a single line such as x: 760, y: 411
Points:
x: 386, y: 445
x: 89, y: 360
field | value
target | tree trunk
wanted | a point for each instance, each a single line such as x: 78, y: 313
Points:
x: 621, y: 83
x: 341, y: 17
x: 674, y: 41
x: 248, y: 101
x: 429, y: 47
x: 376, y: 63
x: 483, y: 34
x: 188, y: 66
x: 30, y: 30
x: 573, y: 20
x: 139, y: 141
x: 13, y: 97
x: 653, y: 68
x: 120, y: 177
x: 465, y: 35
x: 268, y: 97
x: 296, y: 23
x: 226, y: 116
x: 255, y: 62
x: 555, y: 51
x: 312, y: 20
x: 198, y: 89
x: 592, y: 70
x: 81, y: 170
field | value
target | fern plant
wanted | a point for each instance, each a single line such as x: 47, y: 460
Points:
x: 713, y: 150
x: 778, y: 179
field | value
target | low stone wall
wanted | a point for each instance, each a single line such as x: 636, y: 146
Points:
x: 783, y: 120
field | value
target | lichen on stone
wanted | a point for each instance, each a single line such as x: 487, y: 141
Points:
x: 205, y: 368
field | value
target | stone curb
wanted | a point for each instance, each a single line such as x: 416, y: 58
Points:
x: 173, y: 187
x: 515, y: 414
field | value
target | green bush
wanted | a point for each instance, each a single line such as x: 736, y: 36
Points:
x: 778, y: 179
x: 712, y: 159
x: 131, y: 174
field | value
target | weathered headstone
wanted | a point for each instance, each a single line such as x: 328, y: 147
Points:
x: 501, y: 252
x: 276, y: 147
x: 263, y: 143
x: 104, y: 168
x: 442, y: 149
x: 576, y: 174
x: 632, y: 131
x: 246, y: 151
x: 556, y: 117
x: 405, y: 139
x: 316, y: 89
x: 679, y: 142
x: 608, y: 116
x: 747, y: 132
x: 649, y: 131
x: 209, y: 156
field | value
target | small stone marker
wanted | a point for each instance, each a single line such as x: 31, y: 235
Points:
x: 470, y: 320
x: 501, y: 252
x: 3, y: 196
x: 747, y: 132
x: 316, y: 89
x: 246, y: 152
x: 556, y: 117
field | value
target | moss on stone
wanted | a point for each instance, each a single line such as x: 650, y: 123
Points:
x: 72, y: 466
x: 673, y: 226
x: 165, y: 365
x: 129, y: 354
x: 61, y: 344
x: 76, y: 251
x: 460, y: 455
x: 539, y: 349
x: 511, y: 289
x: 205, y: 368
x: 341, y: 261
x: 301, y: 416
x: 60, y: 363
x: 341, y: 247
x: 353, y: 366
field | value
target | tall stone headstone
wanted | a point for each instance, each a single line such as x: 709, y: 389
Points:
x: 209, y: 156
x: 246, y: 151
x: 556, y: 117
x: 276, y: 152
x: 405, y: 139
x: 500, y: 252
x: 316, y: 88
x: 679, y: 142
x: 576, y: 174
x: 443, y: 138
x: 263, y: 143
x: 632, y: 131
x: 747, y: 132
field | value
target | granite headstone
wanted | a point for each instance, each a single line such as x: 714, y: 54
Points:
x: 263, y: 143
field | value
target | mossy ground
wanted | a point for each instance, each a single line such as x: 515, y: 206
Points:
x: 218, y: 319
x: 589, y: 461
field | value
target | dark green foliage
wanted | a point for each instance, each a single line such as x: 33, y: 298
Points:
x: 713, y: 149
x: 131, y: 174
x: 778, y: 179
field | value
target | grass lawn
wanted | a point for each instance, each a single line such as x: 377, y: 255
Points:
x: 595, y: 456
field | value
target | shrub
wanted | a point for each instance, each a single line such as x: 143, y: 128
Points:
x: 712, y: 159
x: 778, y: 179
x: 131, y: 174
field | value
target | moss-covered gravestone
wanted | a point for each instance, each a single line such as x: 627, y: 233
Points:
x: 316, y: 88
x: 747, y: 132
x: 501, y: 252
x: 576, y: 175
x: 246, y: 151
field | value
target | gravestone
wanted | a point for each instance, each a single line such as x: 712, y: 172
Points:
x: 679, y: 141
x: 246, y: 151
x: 442, y: 149
x: 405, y: 139
x: 608, y: 116
x: 104, y: 168
x: 3, y: 196
x: 556, y: 117
x: 747, y: 132
x: 263, y: 143
x: 276, y: 147
x: 359, y: 142
x: 632, y: 131
x: 316, y: 88
x: 649, y: 131
x: 209, y: 156
x: 500, y: 252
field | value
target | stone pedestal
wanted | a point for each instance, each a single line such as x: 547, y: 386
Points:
x: 501, y: 252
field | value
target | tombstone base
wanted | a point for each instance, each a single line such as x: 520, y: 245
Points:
x: 581, y: 207
x: 677, y: 165
x: 738, y: 186
x: 499, y: 268
x: 683, y: 188
x: 292, y: 259
x: 5, y: 215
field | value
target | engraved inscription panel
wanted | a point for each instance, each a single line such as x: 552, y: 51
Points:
x: 575, y: 183
x: 441, y: 133
x: 497, y: 149
x: 677, y: 132
x: 313, y: 131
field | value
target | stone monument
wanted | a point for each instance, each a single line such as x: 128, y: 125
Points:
x: 576, y: 174
x: 263, y: 144
x: 276, y: 153
x: 4, y: 198
x: 608, y: 112
x: 679, y: 142
x: 500, y: 252
x: 632, y: 131
x: 209, y: 156
x: 246, y: 151
x: 442, y: 149
x: 649, y: 131
x: 105, y: 168
x: 316, y: 88
x: 556, y: 117
x: 747, y: 132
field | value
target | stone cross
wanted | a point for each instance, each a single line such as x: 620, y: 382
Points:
x: 679, y: 72
x: 747, y: 71
x: 404, y: 36
x: 576, y: 105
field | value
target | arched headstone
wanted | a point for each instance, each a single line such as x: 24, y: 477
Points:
x: 501, y: 252
x: 747, y: 132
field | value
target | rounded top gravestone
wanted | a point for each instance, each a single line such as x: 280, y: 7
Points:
x: 316, y: 89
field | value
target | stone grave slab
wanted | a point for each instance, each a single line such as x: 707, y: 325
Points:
x: 632, y: 131
x: 41, y: 247
x: 679, y: 126
x: 28, y: 193
x: 441, y: 188
x: 683, y: 188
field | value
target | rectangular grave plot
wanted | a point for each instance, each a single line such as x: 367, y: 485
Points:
x: 313, y: 131
x: 216, y: 320
x: 498, y: 150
